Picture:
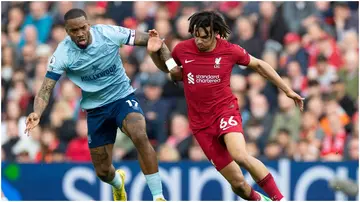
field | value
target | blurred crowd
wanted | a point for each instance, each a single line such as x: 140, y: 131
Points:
x: 312, y: 45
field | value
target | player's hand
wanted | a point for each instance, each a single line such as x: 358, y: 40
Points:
x: 31, y: 122
x: 299, y: 101
x: 154, y: 42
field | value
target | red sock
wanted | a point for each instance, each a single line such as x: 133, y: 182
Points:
x: 254, y: 196
x: 269, y: 186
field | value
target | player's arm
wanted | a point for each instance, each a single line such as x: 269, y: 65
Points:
x: 40, y: 103
x: 42, y: 98
x: 265, y: 70
x: 270, y: 74
x: 167, y: 64
x: 56, y: 68
x: 141, y: 39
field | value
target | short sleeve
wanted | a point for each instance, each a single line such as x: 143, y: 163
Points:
x: 119, y: 35
x: 242, y: 57
x: 175, y: 55
x: 57, y: 63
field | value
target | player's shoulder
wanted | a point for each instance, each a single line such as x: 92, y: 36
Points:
x: 185, y: 44
x: 227, y: 44
x: 65, y: 44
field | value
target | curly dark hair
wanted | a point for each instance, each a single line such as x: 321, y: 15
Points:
x: 211, y: 19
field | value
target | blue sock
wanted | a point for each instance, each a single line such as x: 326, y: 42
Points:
x: 155, y: 186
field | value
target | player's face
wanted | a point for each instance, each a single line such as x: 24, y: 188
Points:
x: 79, y: 31
x: 204, y: 41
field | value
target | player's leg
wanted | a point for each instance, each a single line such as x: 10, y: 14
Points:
x: 132, y: 122
x: 222, y: 161
x: 102, y: 134
x: 235, y: 144
x: 232, y: 173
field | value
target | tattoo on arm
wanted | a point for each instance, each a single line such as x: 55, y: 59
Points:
x: 165, y: 53
x: 42, y: 98
x: 141, y: 38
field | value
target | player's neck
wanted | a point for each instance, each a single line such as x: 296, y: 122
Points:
x: 213, y: 46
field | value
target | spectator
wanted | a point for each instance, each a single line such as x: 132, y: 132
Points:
x: 52, y: 150
x: 40, y: 19
x: 305, y: 152
x: 272, y: 151
x: 338, y: 88
x: 78, y: 149
x: 350, y: 74
x: 333, y: 144
x: 182, y: 28
x: 298, y: 80
x: 246, y: 38
x: 168, y: 153
x: 353, y: 149
x: 261, y: 114
x: 155, y: 109
x: 295, y: 51
x: 180, y: 135
x: 344, y: 19
x: 15, y: 20
x: 324, y: 73
x: 284, y: 140
x: 271, y: 24
x: 311, y: 130
x: 288, y: 117
x: 298, y: 15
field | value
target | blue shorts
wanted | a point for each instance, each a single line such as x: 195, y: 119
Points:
x: 104, y: 121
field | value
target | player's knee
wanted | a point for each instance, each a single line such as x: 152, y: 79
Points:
x: 139, y: 139
x: 241, y: 158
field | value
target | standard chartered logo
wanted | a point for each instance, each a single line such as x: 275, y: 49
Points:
x: 203, y: 78
x: 191, y: 78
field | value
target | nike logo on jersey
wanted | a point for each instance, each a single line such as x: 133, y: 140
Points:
x: 188, y: 61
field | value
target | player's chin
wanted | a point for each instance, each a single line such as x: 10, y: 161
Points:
x: 201, y: 48
x: 82, y: 44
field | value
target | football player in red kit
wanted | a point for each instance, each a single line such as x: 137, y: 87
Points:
x: 207, y: 61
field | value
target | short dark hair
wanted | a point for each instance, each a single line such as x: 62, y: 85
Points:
x: 211, y: 19
x: 74, y: 13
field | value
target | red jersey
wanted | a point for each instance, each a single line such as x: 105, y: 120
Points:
x: 206, y: 77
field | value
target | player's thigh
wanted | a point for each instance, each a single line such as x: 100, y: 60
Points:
x: 213, y: 149
x: 236, y: 145
x: 130, y: 118
x: 231, y: 134
x: 101, y: 127
x: 232, y: 173
x: 101, y: 136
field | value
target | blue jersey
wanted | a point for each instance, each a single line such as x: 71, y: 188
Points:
x: 98, y: 69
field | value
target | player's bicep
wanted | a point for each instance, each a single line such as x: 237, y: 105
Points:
x: 254, y: 63
x: 141, y: 38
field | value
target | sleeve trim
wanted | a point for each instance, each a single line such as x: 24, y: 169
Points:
x: 52, y: 75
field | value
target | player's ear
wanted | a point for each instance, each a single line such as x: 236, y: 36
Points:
x: 66, y: 29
